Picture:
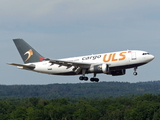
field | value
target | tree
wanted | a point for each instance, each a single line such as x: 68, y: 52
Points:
x: 84, y: 111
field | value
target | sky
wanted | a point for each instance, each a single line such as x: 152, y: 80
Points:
x: 60, y: 29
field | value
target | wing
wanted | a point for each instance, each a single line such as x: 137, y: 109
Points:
x: 69, y: 63
x: 78, y: 66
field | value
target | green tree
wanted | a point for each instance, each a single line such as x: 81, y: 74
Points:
x: 34, y: 101
x: 5, y: 109
x: 35, y: 114
x: 19, y: 113
x: 84, y: 111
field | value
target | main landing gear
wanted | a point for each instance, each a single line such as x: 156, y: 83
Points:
x: 93, y: 79
x: 83, y: 75
x: 135, y: 73
x: 83, y: 78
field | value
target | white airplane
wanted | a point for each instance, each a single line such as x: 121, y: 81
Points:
x: 114, y: 63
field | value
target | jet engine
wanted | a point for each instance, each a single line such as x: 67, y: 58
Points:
x: 100, y: 68
x: 104, y: 68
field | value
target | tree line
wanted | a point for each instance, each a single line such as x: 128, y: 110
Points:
x: 79, y: 90
x: 143, y: 107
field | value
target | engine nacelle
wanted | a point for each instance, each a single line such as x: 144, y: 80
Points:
x: 100, y: 68
x: 118, y: 72
x: 104, y: 68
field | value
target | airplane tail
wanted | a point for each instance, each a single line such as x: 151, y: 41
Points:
x: 28, y: 54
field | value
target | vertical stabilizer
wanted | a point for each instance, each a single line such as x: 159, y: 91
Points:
x: 27, y: 53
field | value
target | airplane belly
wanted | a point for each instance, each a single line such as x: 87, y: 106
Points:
x: 54, y: 69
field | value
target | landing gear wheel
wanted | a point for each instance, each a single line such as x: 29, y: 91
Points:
x: 83, y: 78
x: 135, y: 73
x: 94, y: 80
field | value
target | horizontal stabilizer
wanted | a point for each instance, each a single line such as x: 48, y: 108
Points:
x: 20, y: 65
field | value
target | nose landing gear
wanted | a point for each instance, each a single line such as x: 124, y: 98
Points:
x: 135, y: 73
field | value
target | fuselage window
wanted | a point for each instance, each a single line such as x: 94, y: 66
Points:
x: 145, y: 54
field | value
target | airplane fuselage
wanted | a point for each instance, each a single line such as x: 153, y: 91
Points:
x: 115, y: 61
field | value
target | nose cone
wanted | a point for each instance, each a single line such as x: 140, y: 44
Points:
x: 150, y: 57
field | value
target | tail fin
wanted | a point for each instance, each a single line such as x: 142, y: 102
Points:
x: 27, y: 53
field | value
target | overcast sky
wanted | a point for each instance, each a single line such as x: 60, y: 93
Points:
x: 61, y: 29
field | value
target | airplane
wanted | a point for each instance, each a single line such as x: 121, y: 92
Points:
x: 114, y: 63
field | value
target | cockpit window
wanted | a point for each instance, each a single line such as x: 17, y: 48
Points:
x: 145, y: 54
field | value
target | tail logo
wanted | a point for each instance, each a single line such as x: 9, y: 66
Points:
x: 30, y: 53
